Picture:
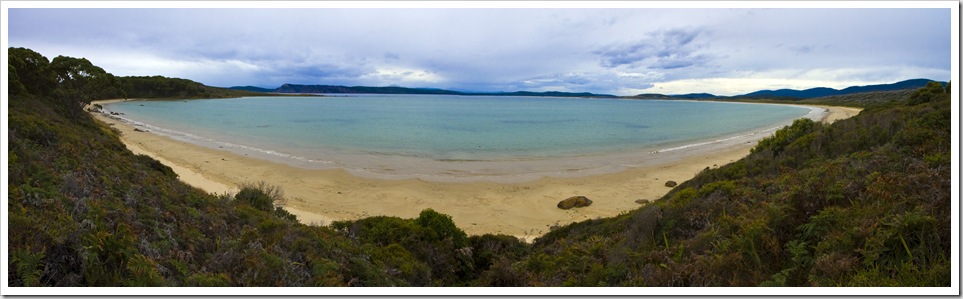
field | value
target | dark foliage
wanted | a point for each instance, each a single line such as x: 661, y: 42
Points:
x: 173, y: 88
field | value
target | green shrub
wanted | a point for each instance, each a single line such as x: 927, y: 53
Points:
x: 785, y: 136
x: 28, y: 265
x: 260, y: 196
x: 441, y: 227
x: 932, y: 91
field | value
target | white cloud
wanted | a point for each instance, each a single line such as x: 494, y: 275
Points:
x: 647, y: 76
x: 792, y: 79
x: 390, y: 76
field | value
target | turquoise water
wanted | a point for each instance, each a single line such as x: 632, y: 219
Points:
x: 456, y: 135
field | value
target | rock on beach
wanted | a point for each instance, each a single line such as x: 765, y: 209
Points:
x: 574, y: 202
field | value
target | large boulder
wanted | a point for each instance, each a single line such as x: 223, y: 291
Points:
x: 574, y: 202
x: 670, y: 183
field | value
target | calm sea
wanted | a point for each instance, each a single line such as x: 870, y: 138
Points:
x: 449, y: 136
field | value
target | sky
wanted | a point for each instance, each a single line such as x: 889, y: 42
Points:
x: 620, y: 51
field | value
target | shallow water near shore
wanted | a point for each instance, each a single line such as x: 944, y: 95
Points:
x: 458, y: 138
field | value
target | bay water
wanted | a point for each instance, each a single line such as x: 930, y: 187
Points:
x: 444, y: 137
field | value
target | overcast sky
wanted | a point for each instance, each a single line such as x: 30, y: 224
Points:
x: 615, y: 51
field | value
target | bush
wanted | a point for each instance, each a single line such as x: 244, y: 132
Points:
x: 260, y: 196
x: 441, y: 227
x: 786, y: 136
x: 930, y: 92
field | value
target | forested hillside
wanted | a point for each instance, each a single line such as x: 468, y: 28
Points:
x: 318, y: 89
x: 863, y: 202
x: 829, y: 92
x: 77, y: 78
x: 163, y: 87
x: 863, y: 100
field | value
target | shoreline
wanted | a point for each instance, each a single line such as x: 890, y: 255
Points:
x: 524, y: 209
x: 499, y: 169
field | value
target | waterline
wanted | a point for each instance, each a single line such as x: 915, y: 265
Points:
x: 467, y: 165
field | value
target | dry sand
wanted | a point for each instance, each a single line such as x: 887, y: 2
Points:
x: 525, y: 209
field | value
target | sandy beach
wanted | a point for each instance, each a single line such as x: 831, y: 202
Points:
x: 524, y: 209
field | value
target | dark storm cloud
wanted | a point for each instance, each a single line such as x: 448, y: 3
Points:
x: 666, y: 49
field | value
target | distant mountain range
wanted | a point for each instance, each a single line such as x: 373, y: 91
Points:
x: 825, y: 91
x: 779, y: 94
x: 338, y: 89
x: 793, y: 94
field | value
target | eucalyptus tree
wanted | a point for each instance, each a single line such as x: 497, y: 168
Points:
x: 79, y: 82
